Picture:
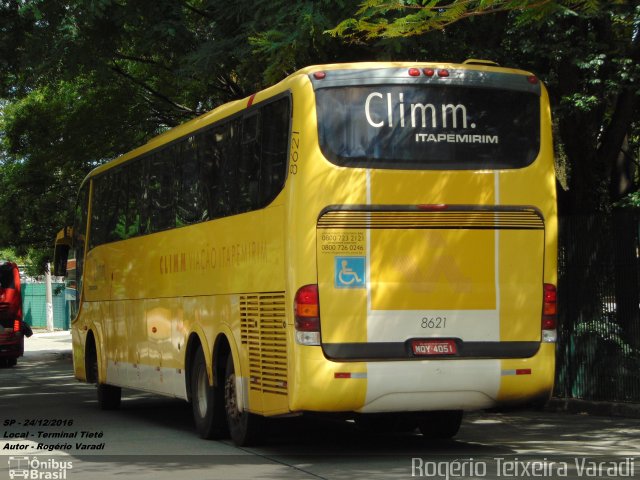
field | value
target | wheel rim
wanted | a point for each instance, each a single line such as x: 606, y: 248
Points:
x: 201, y: 394
x: 230, y: 400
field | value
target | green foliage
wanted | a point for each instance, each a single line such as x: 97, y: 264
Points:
x: 631, y: 200
x: 82, y: 81
x: 390, y: 19
x: 34, y: 261
x: 9, y: 255
x: 51, y: 142
x: 587, y: 52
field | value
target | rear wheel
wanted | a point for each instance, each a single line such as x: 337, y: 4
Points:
x: 440, y: 425
x: 245, y: 428
x: 206, y: 401
x: 12, y: 361
x: 109, y: 396
x: 386, y: 422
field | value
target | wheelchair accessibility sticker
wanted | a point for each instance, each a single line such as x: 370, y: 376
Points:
x: 350, y: 272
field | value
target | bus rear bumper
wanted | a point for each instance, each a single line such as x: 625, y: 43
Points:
x: 420, y: 385
x: 431, y: 385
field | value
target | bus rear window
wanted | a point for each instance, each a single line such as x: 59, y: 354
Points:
x: 441, y: 127
x: 6, y: 276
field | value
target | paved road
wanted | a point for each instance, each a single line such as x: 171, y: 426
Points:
x: 153, y: 437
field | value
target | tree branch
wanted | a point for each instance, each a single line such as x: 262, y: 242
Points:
x: 151, y: 90
x: 196, y: 10
x: 427, y: 17
x: 147, y: 61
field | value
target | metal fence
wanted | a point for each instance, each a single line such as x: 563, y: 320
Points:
x: 34, y: 306
x: 599, y: 308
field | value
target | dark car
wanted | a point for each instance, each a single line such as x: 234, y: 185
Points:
x: 12, y: 328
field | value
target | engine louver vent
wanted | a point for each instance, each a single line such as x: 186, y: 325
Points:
x: 263, y: 331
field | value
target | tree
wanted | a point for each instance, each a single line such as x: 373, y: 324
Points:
x: 83, y: 81
x: 390, y: 19
x: 588, y: 53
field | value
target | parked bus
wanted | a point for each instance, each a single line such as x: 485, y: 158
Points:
x: 371, y: 239
x: 11, y: 327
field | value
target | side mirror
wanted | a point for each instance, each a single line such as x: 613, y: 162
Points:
x: 61, y: 251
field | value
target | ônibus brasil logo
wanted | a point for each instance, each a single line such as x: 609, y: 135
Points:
x: 38, y: 468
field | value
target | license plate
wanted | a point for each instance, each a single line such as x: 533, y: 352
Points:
x: 433, y: 347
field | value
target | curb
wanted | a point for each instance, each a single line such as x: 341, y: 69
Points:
x: 36, y: 354
x: 604, y: 409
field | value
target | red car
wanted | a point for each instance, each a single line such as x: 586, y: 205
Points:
x: 12, y: 329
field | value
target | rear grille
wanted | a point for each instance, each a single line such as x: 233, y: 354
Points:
x: 458, y: 217
x: 264, y: 335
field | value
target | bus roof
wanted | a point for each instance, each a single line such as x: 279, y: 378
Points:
x: 236, y: 106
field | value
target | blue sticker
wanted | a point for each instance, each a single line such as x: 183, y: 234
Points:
x: 350, y: 272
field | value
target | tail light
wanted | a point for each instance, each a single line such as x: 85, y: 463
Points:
x: 307, y: 315
x: 549, y: 313
x: 16, y: 325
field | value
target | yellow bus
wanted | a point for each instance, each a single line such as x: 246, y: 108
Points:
x: 376, y: 240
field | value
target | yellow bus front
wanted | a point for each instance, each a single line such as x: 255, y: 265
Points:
x: 422, y: 204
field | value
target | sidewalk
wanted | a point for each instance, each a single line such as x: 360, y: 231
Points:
x: 592, y: 407
x: 43, y: 343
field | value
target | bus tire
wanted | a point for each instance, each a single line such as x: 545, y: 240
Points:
x: 12, y: 362
x: 109, y: 396
x: 206, y: 401
x: 440, y: 425
x: 386, y: 422
x: 245, y: 428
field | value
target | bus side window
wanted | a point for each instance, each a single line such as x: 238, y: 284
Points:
x: 161, y: 189
x: 208, y: 172
x: 249, y: 163
x: 99, y: 216
x: 226, y: 139
x: 218, y: 190
x: 78, y: 246
x: 108, y: 212
x: 275, y: 142
x: 133, y: 193
x: 190, y: 206
x: 144, y: 205
x: 117, y: 210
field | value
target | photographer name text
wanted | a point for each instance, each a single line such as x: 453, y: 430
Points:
x: 526, y: 468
